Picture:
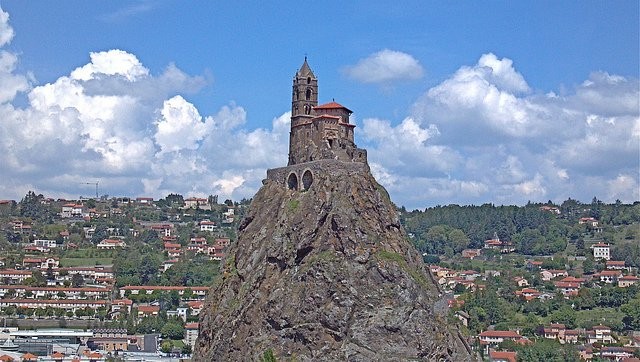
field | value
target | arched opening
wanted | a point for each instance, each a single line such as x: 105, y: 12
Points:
x: 292, y: 181
x: 308, y: 95
x: 308, y: 80
x: 307, y: 180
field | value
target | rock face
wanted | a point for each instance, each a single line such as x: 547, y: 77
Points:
x: 324, y: 272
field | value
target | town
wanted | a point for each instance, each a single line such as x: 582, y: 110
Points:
x: 109, y: 279
x: 97, y: 279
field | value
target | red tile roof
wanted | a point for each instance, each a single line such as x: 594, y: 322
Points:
x: 502, y: 355
x: 331, y: 105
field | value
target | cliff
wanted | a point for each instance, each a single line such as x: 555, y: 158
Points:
x: 324, y: 274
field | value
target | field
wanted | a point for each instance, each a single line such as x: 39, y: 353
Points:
x: 73, y: 262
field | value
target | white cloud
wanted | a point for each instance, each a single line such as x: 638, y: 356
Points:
x: 386, y: 66
x: 482, y: 135
x: 508, y: 144
x: 6, y: 31
x: 180, y: 126
x: 111, y: 62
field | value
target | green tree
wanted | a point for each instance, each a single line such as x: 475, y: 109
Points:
x: 565, y: 315
x: 172, y: 330
x: 631, y: 312
x: 77, y: 280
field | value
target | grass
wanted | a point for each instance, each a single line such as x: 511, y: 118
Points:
x: 597, y: 316
x: 73, y: 262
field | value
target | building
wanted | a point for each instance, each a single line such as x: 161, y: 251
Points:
x: 109, y: 340
x: 197, y: 292
x: 72, y: 210
x: 191, y: 334
x: 600, y: 334
x: 206, y: 225
x: 601, y: 251
x: 319, y: 131
x: 110, y: 244
x: 616, y: 265
x: 609, y: 276
x: 502, y: 356
x: 627, y: 281
x: 197, y: 203
x: 496, y: 337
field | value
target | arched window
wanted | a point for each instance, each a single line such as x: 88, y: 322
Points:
x: 292, y: 181
x: 307, y: 109
x: 308, y: 80
x: 308, y: 95
x: 307, y: 180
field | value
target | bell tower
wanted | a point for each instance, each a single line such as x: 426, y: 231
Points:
x: 304, y: 96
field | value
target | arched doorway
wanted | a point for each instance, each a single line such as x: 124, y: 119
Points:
x: 292, y: 181
x: 307, y: 180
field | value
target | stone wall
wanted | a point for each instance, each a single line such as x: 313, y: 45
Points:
x: 296, y: 177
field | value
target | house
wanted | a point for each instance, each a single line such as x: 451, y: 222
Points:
x: 616, y: 265
x: 206, y: 225
x: 600, y: 334
x: 41, y: 263
x: 109, y: 340
x: 198, y: 292
x: 471, y: 253
x: 551, y: 209
x: 616, y: 353
x: 568, y: 289
x: 601, y: 251
x: 148, y: 310
x: 534, y: 264
x: 196, y: 203
x: 14, y: 276
x: 195, y: 306
x: 496, y: 337
x: 589, y: 221
x: 119, y: 306
x: 67, y: 304
x: 110, y: 244
x: 528, y: 293
x: 72, y: 210
x: 168, y: 264
x: 45, y: 243
x: 502, y: 356
x: 547, y: 275
x: 144, y: 200
x: 609, y: 276
x: 173, y: 250
x: 560, y: 333
x: 163, y: 229
x: 191, y: 334
x: 521, y: 282
x: 627, y: 280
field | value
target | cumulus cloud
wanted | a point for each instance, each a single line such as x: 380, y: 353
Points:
x: 112, y: 120
x: 482, y: 135
x: 6, y: 31
x: 509, y: 144
x: 386, y: 66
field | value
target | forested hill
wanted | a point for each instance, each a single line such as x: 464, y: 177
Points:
x: 535, y: 229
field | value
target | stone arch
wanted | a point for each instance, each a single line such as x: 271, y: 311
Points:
x: 308, y: 94
x: 292, y: 181
x: 307, y: 180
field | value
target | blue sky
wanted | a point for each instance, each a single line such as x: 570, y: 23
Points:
x: 465, y: 102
